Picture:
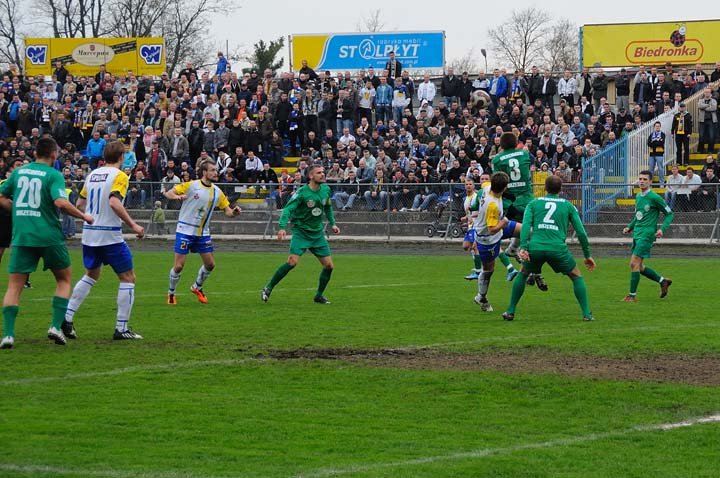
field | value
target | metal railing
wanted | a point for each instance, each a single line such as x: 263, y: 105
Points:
x: 411, y: 211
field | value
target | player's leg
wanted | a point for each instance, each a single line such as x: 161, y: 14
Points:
x: 636, y: 264
x: 533, y: 266
x: 488, y: 267
x: 580, y: 291
x: 512, y: 232
x: 11, y: 308
x: 63, y: 287
x: 280, y: 274
x: 125, y: 301
x: 79, y: 293
x: 469, y: 245
x: 651, y: 274
x: 206, y: 268
x: 182, y: 249
x: 325, y: 274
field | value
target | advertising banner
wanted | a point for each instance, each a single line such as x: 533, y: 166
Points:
x: 84, y: 56
x: 634, y: 44
x: 354, y: 51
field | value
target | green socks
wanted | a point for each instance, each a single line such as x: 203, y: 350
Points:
x: 634, y: 281
x: 10, y: 313
x: 478, y: 262
x: 505, y: 260
x: 280, y: 273
x: 59, y: 306
x: 651, y: 274
x: 324, y: 279
x: 518, y: 288
x: 581, y: 295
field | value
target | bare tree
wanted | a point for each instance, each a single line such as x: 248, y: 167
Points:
x: 186, y: 28
x: 467, y: 62
x: 72, y: 18
x: 519, y: 40
x: 10, y: 50
x: 136, y: 18
x: 372, y: 22
x: 561, y: 47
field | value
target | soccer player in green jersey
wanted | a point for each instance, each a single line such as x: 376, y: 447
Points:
x: 34, y: 193
x: 648, y: 206
x: 305, y: 210
x: 516, y: 164
x: 542, y: 239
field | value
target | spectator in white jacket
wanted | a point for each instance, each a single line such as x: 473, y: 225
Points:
x: 567, y: 86
x: 426, y: 90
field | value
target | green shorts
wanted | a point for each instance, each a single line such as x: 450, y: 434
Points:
x: 515, y: 210
x: 24, y: 259
x: 302, y: 241
x: 561, y: 262
x: 642, y: 247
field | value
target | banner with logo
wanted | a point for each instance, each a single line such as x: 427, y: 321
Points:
x: 84, y: 56
x: 354, y: 51
x: 634, y: 44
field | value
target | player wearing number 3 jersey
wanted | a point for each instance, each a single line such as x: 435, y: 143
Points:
x: 542, y: 240
x: 516, y: 164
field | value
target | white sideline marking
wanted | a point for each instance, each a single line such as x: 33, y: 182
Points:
x: 114, y: 473
x: 131, y: 369
x: 211, y: 294
x: 481, y: 453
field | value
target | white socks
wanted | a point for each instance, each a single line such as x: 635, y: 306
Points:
x: 80, y: 292
x: 202, y: 276
x: 484, y: 283
x: 513, y: 247
x: 174, y: 279
x: 125, y: 300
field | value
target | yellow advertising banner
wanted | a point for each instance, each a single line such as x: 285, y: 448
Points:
x: 84, y: 56
x: 634, y: 44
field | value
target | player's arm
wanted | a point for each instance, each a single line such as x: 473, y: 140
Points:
x: 118, y: 190
x: 82, y: 199
x: 580, y: 231
x: 178, y: 192
x: 5, y: 203
x: 224, y: 205
x: 330, y: 215
x: 668, y: 213
x: 6, y: 193
x: 630, y: 226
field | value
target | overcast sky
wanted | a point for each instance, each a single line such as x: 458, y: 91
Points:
x: 463, y: 29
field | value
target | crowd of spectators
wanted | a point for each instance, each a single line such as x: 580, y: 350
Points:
x: 387, y: 140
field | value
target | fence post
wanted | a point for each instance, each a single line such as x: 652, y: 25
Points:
x: 387, y: 208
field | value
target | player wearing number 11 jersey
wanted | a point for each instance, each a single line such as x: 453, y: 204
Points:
x: 102, y: 197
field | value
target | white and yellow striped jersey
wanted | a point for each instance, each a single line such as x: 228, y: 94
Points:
x: 196, y: 210
x: 106, y: 228
x: 489, y: 212
x: 469, y: 213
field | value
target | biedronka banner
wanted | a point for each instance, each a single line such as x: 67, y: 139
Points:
x: 84, y: 56
x: 634, y: 44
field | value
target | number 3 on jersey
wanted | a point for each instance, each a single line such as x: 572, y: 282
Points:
x: 550, y: 206
x: 29, y: 195
x: 514, y: 165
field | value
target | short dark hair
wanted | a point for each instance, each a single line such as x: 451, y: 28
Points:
x: 45, y: 147
x: 499, y: 181
x: 553, y: 184
x: 508, y: 141
x: 114, y: 152
x: 646, y: 172
x: 205, y: 165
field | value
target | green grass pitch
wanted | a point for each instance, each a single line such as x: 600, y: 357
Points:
x: 401, y: 376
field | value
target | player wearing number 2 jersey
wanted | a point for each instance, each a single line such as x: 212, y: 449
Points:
x: 37, y: 191
x: 542, y: 240
x: 516, y: 164
x: 102, y: 197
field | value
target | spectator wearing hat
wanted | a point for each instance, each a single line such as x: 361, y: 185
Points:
x: 682, y: 129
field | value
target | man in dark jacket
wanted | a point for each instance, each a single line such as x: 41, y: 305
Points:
x: 450, y: 87
x: 682, y: 129
x: 656, y: 145
x: 622, y: 90
x: 600, y: 87
x: 466, y: 89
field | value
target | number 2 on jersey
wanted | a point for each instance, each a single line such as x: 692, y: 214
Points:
x: 550, y: 206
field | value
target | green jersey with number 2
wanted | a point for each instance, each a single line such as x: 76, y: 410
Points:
x: 516, y: 164
x: 34, y: 189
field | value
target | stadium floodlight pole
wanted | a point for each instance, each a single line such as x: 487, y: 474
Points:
x: 484, y: 54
